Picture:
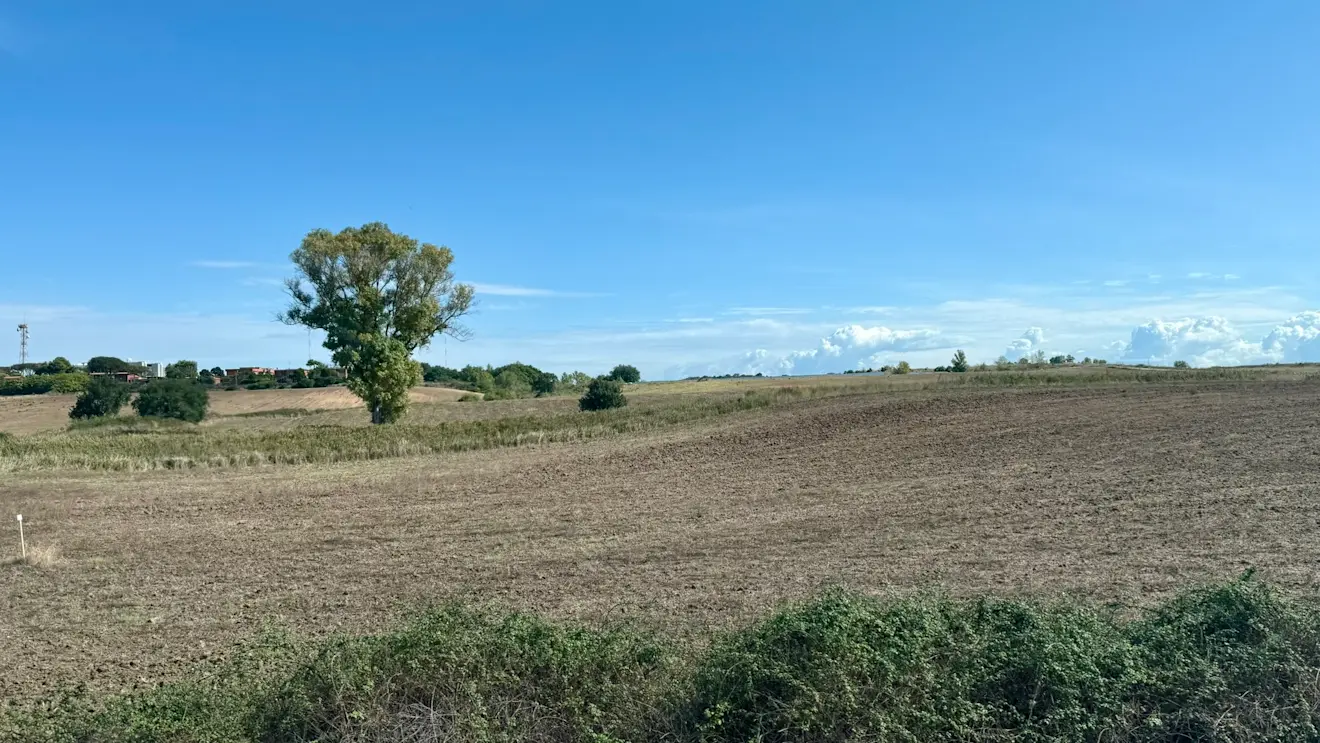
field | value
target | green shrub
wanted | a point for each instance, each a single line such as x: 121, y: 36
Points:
x: 104, y: 396
x: 40, y: 384
x: 473, y: 676
x: 602, y: 394
x: 1180, y: 365
x: 172, y: 398
x: 469, y: 398
x: 1234, y: 662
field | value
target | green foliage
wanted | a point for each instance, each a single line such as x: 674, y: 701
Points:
x: 469, y: 398
x: 1233, y: 662
x: 512, y: 382
x: 378, y: 296
x: 602, y: 394
x: 1180, y: 365
x: 60, y: 384
x: 181, y: 370
x: 545, y: 384
x: 480, y: 379
x: 1227, y: 663
x: 172, y: 398
x: 112, y: 364
x: 57, y: 365
x: 443, y: 375
x: 384, y: 373
x: 901, y: 367
x: 959, y: 362
x: 104, y: 396
x: 475, y: 676
x: 573, y: 382
x: 625, y: 373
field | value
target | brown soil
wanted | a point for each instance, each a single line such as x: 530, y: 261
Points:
x: 1118, y: 495
x: 26, y: 414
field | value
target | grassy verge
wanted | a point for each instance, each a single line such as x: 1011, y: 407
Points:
x: 1235, y: 662
x: 136, y: 444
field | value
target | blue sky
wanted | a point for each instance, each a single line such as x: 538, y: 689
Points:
x: 691, y: 187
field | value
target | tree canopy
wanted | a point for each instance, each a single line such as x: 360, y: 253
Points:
x: 378, y: 296
x: 112, y: 364
x: 182, y: 370
x: 625, y: 373
x: 57, y: 365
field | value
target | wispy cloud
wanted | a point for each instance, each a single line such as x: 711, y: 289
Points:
x: 1116, y: 282
x: 262, y: 281
x: 1198, y: 275
x: 766, y: 311
x: 223, y: 265
x: 507, y: 290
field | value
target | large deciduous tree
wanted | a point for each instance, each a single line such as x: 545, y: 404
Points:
x: 378, y: 296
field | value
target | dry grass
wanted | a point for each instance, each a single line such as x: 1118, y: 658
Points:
x: 38, y: 556
x: 1121, y: 493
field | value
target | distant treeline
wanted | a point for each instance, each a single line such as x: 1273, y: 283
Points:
x: 519, y: 380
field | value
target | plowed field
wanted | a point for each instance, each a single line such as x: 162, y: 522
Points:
x: 1117, y: 494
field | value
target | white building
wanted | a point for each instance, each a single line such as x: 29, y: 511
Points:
x: 154, y: 370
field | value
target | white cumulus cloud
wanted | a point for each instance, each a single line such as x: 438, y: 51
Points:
x: 1296, y: 339
x: 1030, y: 341
x: 1201, y: 341
x: 849, y: 347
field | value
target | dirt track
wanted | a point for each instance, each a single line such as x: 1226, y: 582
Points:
x: 1119, y: 495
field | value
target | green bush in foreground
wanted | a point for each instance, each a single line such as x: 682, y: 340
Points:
x: 1234, y: 662
x: 172, y: 398
x: 602, y: 394
x: 103, y: 397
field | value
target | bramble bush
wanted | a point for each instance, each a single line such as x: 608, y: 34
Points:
x: 1232, y: 662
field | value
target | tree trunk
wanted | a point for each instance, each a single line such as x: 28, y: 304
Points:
x: 377, y: 417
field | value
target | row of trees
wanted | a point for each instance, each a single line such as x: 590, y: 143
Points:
x: 520, y: 380
x: 179, y: 399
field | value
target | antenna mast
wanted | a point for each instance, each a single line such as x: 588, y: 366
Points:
x: 22, y: 343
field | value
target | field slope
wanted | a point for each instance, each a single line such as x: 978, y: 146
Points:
x: 1121, y: 494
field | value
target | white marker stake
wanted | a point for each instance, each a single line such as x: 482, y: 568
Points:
x: 21, y: 541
